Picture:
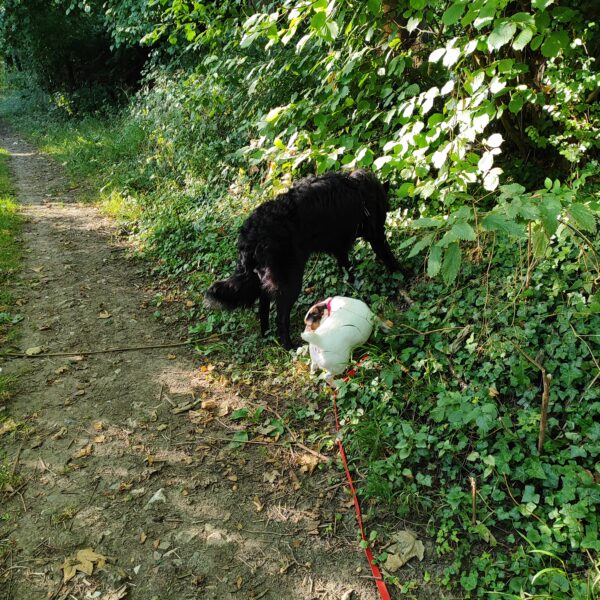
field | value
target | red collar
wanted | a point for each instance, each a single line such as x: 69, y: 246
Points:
x: 329, y: 306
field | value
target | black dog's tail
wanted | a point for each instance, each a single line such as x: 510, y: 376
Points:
x: 238, y: 291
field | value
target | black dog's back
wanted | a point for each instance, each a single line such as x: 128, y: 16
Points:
x: 318, y: 214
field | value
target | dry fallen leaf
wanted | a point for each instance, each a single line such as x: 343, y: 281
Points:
x: 143, y: 537
x: 98, y: 425
x: 404, y: 547
x: 104, y: 314
x: 8, y: 426
x: 85, y: 451
x: 208, y: 405
x: 258, y: 504
x: 83, y: 561
x: 33, y: 351
x: 307, y: 462
x: 270, y: 476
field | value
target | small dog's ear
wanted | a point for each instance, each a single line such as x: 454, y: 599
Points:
x: 386, y: 186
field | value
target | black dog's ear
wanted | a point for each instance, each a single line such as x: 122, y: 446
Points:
x: 386, y: 186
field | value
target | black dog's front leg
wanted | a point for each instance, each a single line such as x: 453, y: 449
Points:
x: 286, y: 296
x: 344, y: 264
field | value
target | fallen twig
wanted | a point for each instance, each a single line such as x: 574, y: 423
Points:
x: 546, y: 381
x: 266, y: 532
x: 88, y: 352
x: 473, y: 501
x: 15, y: 464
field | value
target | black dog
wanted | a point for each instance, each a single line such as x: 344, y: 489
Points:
x: 318, y: 214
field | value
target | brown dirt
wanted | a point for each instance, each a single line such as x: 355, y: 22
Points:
x: 97, y: 438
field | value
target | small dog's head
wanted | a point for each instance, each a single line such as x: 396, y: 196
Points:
x: 316, y: 314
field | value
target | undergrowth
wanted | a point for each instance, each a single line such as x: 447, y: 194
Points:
x: 10, y: 257
x: 443, y: 418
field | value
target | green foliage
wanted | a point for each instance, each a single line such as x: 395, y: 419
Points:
x: 10, y: 258
x: 484, y: 116
x: 64, y: 46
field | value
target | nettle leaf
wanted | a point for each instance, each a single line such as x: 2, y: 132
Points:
x: 549, y: 210
x: 539, y: 241
x: 458, y: 231
x: 451, y: 263
x: 453, y: 14
x: 528, y: 210
x: 496, y: 221
x: 554, y: 43
x: 425, y: 222
x: 421, y: 244
x: 583, y: 216
x: 434, y: 263
x: 501, y: 35
x: 512, y: 189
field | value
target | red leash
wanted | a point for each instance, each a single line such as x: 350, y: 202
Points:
x: 381, y: 587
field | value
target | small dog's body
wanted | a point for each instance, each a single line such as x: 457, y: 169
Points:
x: 318, y: 214
x: 333, y: 328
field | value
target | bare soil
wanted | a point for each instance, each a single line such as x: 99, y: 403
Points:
x: 103, y: 459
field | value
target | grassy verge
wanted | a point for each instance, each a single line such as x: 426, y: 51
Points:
x: 10, y: 257
x: 443, y: 420
x: 99, y: 152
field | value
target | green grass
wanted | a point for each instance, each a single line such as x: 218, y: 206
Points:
x: 10, y: 258
x: 98, y: 152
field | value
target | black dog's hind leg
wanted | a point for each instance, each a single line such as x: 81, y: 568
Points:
x: 286, y: 296
x: 384, y: 252
x: 264, y: 305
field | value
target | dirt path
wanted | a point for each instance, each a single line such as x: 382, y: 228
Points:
x: 107, y: 465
